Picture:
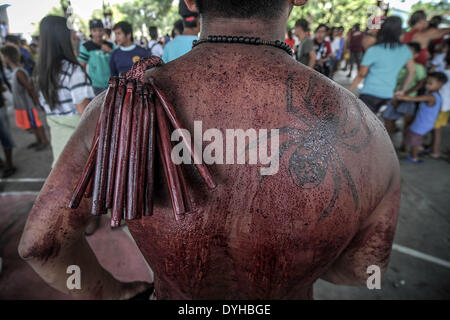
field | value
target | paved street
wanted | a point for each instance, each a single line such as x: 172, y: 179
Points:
x: 420, y: 260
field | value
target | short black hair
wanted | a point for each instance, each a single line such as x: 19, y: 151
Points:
x: 435, y: 21
x: 302, y: 23
x: 125, y: 27
x: 11, y: 52
x: 178, y: 25
x: 13, y: 39
x: 390, y: 32
x: 322, y: 25
x: 190, y: 21
x: 439, y: 76
x: 153, y: 32
x: 415, y: 46
x: 416, y: 17
x: 265, y: 9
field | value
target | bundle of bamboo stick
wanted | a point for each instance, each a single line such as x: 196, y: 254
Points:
x: 133, y: 126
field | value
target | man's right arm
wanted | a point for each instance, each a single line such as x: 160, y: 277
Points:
x: 372, y: 244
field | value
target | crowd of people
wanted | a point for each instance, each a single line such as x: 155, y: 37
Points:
x: 60, y: 74
x: 405, y: 74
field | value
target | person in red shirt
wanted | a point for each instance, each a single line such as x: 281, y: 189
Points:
x: 422, y: 34
x: 356, y: 48
x: 290, y: 39
x: 322, y: 49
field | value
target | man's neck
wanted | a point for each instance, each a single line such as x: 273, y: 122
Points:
x: 190, y: 32
x: 243, y: 27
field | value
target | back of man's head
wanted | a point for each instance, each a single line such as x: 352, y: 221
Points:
x: 263, y: 9
x: 11, y: 52
x: 179, y: 26
x: 191, y: 22
x: 12, y: 39
x: 153, y: 32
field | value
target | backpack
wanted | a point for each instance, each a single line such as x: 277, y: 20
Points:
x: 153, y: 45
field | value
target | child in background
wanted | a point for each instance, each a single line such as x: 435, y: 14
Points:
x: 25, y: 98
x: 444, y: 115
x: 5, y: 135
x: 405, y: 109
x: 430, y: 105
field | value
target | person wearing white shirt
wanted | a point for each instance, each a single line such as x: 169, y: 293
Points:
x: 154, y: 46
x: 444, y: 114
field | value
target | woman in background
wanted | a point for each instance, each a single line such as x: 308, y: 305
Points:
x: 422, y: 33
x: 382, y: 63
x: 64, y: 86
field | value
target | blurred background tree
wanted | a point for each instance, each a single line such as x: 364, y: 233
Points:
x: 144, y: 13
x: 345, y: 13
x: 81, y: 24
x: 163, y: 13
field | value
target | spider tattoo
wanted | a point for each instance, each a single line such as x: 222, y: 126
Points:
x: 316, y: 147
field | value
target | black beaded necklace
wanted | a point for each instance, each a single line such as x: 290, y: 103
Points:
x: 245, y: 40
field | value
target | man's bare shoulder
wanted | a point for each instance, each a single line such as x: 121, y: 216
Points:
x: 325, y: 99
x: 333, y: 116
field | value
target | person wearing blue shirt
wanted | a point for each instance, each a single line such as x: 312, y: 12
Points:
x: 127, y: 53
x: 182, y: 44
x: 381, y: 65
x: 430, y: 105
